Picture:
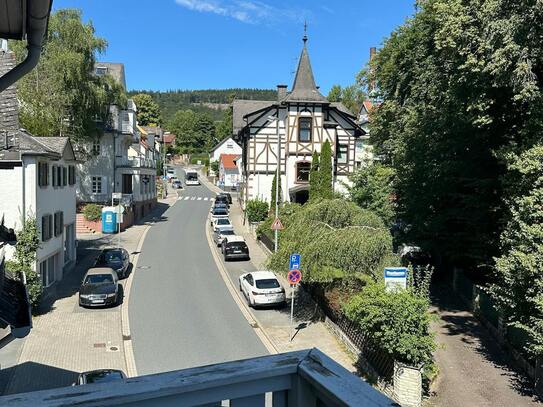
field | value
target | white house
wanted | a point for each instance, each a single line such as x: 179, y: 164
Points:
x: 226, y: 146
x: 229, y: 174
x: 116, y: 161
x: 303, y: 119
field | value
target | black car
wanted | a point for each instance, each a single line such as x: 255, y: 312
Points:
x: 100, y: 287
x: 234, y: 247
x: 116, y: 258
x: 218, y: 205
x: 228, y: 197
x: 100, y: 376
x: 222, y: 198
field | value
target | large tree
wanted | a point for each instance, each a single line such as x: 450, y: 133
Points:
x: 459, y: 81
x: 147, y: 110
x: 326, y: 188
x: 62, y: 96
x: 195, y: 132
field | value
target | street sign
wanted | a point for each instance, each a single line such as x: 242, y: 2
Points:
x: 294, y: 263
x: 395, y: 278
x: 294, y: 276
x: 277, y: 225
x: 117, y: 195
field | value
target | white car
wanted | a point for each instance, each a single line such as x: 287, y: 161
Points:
x: 262, y: 288
x: 220, y: 222
x: 219, y: 213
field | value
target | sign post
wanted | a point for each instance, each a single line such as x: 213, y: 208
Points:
x: 119, y: 210
x: 395, y: 278
x: 294, y: 276
x: 276, y: 227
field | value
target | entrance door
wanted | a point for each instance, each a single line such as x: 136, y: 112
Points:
x: 127, y: 183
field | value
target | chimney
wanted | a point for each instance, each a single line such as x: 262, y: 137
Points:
x: 371, y: 85
x: 373, y: 51
x: 9, y: 107
x: 281, y: 92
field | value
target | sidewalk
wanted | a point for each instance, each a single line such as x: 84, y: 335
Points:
x: 67, y: 339
x: 276, y: 324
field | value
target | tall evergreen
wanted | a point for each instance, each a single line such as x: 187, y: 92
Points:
x: 272, y: 204
x: 326, y: 190
x: 314, y: 177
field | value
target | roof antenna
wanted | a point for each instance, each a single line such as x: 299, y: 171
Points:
x: 305, y: 32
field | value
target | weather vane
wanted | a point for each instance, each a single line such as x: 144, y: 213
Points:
x: 305, y: 31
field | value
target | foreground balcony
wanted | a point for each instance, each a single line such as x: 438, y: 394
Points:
x: 297, y: 379
x: 135, y: 162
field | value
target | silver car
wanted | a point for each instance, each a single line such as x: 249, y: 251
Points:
x: 220, y: 234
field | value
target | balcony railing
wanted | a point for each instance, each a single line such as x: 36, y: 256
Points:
x: 135, y: 162
x: 296, y: 379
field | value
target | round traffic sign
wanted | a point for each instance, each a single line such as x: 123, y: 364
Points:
x: 294, y: 276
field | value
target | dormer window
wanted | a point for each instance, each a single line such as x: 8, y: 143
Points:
x: 101, y: 70
x: 304, y: 129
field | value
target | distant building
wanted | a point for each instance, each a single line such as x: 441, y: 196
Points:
x: 363, y: 149
x: 226, y: 146
x: 306, y: 119
x: 229, y: 174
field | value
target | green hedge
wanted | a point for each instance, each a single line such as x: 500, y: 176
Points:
x: 204, y: 158
x: 92, y: 212
x: 257, y: 210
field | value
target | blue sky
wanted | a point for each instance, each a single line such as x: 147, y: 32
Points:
x: 202, y: 44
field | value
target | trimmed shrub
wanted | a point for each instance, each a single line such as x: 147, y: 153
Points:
x: 257, y: 210
x: 92, y: 212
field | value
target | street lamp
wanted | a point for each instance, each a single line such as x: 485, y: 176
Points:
x: 278, y: 173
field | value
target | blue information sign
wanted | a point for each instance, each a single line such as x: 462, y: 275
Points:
x: 395, y: 277
x: 294, y: 262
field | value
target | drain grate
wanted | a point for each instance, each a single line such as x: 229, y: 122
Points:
x: 99, y: 345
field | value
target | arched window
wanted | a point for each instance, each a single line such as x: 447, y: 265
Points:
x: 302, y: 171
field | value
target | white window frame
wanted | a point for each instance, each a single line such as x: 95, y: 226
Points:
x: 97, y: 184
x: 96, y: 147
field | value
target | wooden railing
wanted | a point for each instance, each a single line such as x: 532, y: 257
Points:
x: 297, y: 379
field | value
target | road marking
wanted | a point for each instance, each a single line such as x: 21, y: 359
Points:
x: 206, y: 198
x: 199, y: 198
x: 187, y: 198
x: 192, y: 198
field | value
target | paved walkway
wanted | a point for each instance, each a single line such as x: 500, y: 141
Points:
x: 65, y: 338
x: 473, y: 370
x: 276, y: 324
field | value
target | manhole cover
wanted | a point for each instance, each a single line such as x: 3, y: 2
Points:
x: 99, y: 345
x: 113, y: 348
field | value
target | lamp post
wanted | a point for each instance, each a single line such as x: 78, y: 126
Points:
x: 277, y: 174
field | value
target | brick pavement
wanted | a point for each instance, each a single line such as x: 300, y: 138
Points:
x: 67, y: 339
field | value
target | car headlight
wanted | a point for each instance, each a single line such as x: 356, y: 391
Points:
x: 111, y: 295
x: 84, y: 296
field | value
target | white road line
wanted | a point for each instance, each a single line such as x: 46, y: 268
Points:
x: 199, y: 198
x: 206, y: 198
x: 180, y: 199
x: 192, y: 198
x: 187, y: 198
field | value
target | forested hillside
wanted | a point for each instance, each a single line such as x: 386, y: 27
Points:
x: 211, y: 101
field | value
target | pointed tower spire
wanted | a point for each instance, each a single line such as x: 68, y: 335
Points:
x: 304, y: 88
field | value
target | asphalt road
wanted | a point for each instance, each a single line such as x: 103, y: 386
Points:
x: 181, y: 313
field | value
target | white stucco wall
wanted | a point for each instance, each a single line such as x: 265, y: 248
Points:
x: 225, y: 149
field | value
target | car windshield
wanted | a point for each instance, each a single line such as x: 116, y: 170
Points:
x: 112, y: 257
x: 223, y: 222
x: 267, y: 283
x: 99, y: 279
x: 104, y: 377
x: 227, y: 233
x: 220, y: 211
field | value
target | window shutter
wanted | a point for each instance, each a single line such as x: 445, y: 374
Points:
x: 43, y: 228
x: 64, y: 176
x: 50, y: 226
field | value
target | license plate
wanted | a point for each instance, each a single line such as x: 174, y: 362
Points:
x: 97, y: 301
x: 237, y: 251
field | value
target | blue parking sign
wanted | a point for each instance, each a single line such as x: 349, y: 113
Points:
x: 294, y: 262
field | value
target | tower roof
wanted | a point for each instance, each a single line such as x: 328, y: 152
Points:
x: 304, y: 88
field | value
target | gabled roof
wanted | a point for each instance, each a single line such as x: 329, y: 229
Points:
x: 242, y: 108
x: 169, y: 138
x: 220, y: 143
x: 22, y: 143
x: 304, y: 88
x: 228, y: 161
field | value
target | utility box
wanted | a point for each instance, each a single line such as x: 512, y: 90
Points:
x: 109, y: 220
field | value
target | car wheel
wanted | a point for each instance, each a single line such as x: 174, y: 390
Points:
x: 225, y: 258
x: 241, y: 289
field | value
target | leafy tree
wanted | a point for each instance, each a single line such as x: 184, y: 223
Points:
x: 272, y: 204
x: 62, y: 96
x: 335, y: 94
x: 372, y: 188
x: 257, y: 211
x: 314, y: 178
x: 519, y: 285
x: 224, y: 128
x: 147, y: 110
x: 194, y: 131
x: 326, y: 190
x: 458, y: 83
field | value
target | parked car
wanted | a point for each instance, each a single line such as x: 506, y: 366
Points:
x: 220, y: 222
x: 218, y: 214
x: 221, y: 233
x: 116, y: 258
x: 262, y: 288
x: 228, y: 197
x: 100, y: 376
x: 176, y: 184
x: 100, y: 287
x: 218, y: 205
x: 234, y: 247
x: 222, y: 198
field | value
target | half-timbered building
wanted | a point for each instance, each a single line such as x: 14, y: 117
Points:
x: 287, y: 131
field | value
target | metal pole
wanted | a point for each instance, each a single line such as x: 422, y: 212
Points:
x: 277, y: 178
x: 292, y: 313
